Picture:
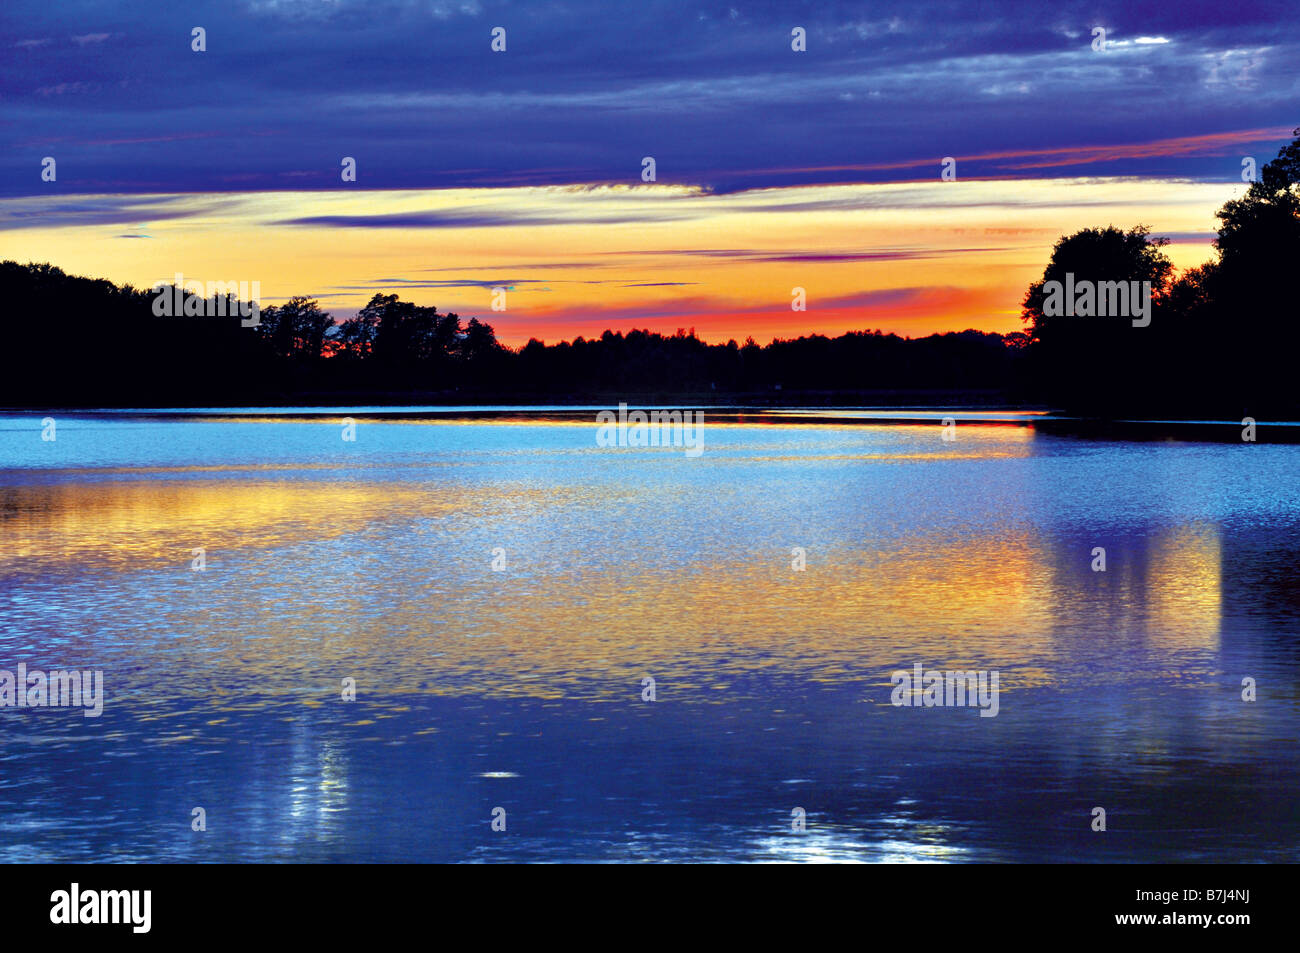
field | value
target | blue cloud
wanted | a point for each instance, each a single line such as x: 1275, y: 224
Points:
x: 412, y: 90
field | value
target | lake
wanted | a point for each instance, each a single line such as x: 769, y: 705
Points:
x: 497, y: 591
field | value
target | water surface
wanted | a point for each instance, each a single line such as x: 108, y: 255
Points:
x: 522, y: 688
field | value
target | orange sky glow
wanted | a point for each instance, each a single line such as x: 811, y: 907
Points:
x: 911, y: 257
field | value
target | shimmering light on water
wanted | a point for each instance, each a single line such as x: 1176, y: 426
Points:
x: 522, y: 688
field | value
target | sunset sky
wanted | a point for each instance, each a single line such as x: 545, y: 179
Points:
x: 775, y: 169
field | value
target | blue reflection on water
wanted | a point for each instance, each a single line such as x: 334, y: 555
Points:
x: 522, y: 688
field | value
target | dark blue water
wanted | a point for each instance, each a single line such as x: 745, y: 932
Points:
x: 521, y: 688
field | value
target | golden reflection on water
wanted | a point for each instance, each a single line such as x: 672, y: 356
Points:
x: 129, y: 524
x: 949, y: 604
x: 1183, y: 588
x: 988, y: 600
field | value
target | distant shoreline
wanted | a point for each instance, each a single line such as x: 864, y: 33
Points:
x: 1039, y: 419
x: 874, y: 399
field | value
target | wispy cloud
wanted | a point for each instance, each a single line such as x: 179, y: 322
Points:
x: 412, y: 89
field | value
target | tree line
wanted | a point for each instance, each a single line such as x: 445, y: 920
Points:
x: 1222, y: 337
x: 78, y: 341
x: 1219, y: 339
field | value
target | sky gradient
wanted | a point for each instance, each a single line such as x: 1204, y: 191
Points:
x: 775, y: 169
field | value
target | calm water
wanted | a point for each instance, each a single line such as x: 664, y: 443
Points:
x: 522, y: 688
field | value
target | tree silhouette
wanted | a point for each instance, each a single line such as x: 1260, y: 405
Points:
x: 1079, y: 356
x: 89, y: 342
x: 1250, y: 304
x: 296, y: 329
x: 1221, y: 341
x: 1223, y: 336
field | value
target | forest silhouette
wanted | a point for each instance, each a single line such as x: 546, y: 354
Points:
x: 1221, y: 342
